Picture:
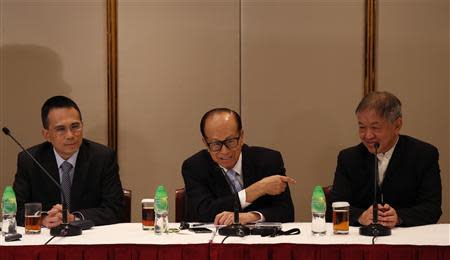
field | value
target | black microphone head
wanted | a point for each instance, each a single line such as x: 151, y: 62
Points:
x: 6, y: 130
x: 376, y: 145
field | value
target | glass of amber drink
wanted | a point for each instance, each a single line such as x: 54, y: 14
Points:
x: 33, y: 218
x: 148, y: 214
x: 341, y: 214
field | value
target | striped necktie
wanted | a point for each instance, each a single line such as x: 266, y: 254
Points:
x: 66, y: 183
x: 234, y: 180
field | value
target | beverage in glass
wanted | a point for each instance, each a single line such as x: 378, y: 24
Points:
x: 33, y: 218
x: 341, y: 217
x: 148, y: 213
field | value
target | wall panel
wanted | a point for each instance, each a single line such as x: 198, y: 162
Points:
x: 177, y: 59
x: 49, y: 48
x: 302, y: 79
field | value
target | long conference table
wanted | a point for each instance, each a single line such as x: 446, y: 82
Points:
x: 129, y: 241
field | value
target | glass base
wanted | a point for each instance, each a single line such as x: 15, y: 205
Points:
x: 32, y: 232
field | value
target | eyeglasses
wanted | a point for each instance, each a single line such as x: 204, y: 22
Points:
x: 62, y: 130
x: 230, y: 143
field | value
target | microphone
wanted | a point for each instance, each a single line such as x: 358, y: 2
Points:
x: 375, y: 229
x: 236, y: 229
x: 65, y: 229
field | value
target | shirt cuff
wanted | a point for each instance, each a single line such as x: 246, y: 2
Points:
x: 261, y: 216
x: 242, y: 199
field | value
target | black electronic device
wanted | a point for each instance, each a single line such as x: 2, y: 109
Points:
x: 200, y: 230
x: 264, y: 231
x: 64, y: 229
x: 375, y: 229
x: 12, y: 237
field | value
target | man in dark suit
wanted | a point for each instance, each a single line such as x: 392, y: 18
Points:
x: 409, y: 187
x: 256, y: 173
x: 87, y: 171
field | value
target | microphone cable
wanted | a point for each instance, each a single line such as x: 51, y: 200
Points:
x: 225, y: 239
x: 373, y: 240
x: 48, y: 241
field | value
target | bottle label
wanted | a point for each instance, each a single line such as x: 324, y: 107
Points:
x: 9, y: 205
x: 161, y: 203
x: 318, y: 205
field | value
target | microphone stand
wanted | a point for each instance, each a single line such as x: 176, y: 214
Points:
x: 236, y: 229
x: 375, y: 229
x: 65, y: 229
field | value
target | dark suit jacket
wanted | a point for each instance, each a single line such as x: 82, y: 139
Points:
x: 208, y: 193
x: 411, y: 185
x: 96, y: 188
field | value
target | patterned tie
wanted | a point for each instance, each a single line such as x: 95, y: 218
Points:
x: 66, y: 167
x: 234, y: 180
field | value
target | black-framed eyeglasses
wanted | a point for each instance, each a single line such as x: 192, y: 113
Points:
x: 230, y: 143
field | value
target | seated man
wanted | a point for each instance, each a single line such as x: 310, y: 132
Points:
x: 87, y: 171
x: 256, y: 173
x: 409, y: 187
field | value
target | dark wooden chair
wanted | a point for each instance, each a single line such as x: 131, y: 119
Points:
x: 126, y: 205
x: 179, y: 204
x: 327, y: 191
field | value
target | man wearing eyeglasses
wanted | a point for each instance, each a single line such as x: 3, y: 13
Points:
x: 87, y: 171
x: 227, y: 165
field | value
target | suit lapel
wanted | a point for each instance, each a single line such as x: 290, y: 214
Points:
x: 368, y: 174
x: 217, y: 179
x: 80, y: 175
x: 48, y: 161
x: 395, y: 161
x: 248, y: 169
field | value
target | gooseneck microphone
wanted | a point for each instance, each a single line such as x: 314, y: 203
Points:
x: 236, y: 229
x: 375, y: 229
x: 65, y: 229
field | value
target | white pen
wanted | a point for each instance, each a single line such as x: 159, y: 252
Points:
x: 213, y: 234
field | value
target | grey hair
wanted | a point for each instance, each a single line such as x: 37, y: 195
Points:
x: 384, y: 103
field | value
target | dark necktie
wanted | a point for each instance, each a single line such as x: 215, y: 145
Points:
x: 66, y: 167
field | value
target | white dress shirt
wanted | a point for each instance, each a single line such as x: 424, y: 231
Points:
x: 383, y: 162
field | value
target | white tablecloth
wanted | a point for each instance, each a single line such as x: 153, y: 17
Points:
x: 124, y: 233
x: 438, y: 234
x: 132, y: 233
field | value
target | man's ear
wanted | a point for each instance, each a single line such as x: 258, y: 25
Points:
x: 46, y: 134
x: 204, y: 141
x: 398, y: 123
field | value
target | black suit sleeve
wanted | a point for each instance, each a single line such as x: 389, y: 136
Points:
x: 110, y: 208
x: 203, y: 203
x: 427, y: 208
x: 276, y: 208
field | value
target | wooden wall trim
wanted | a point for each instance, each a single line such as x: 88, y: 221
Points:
x: 370, y: 46
x: 112, y: 72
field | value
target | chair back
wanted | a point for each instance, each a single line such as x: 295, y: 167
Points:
x: 179, y: 204
x: 126, y: 205
x: 327, y: 192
